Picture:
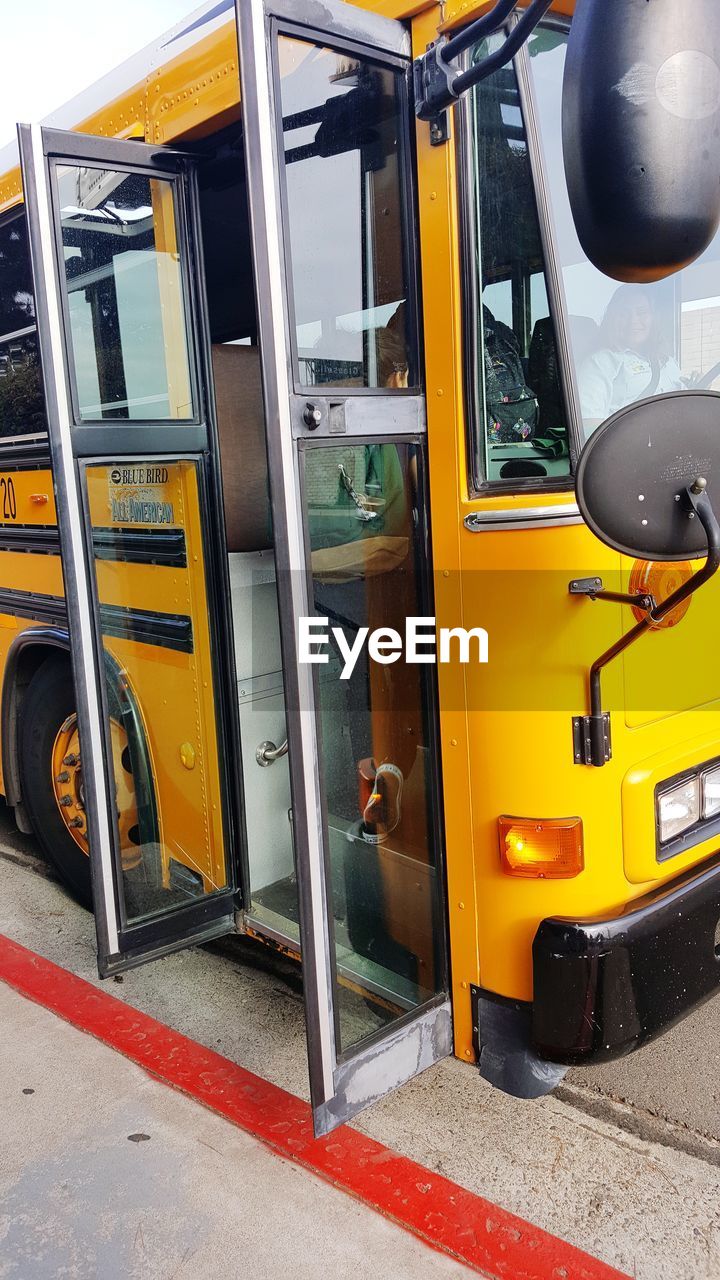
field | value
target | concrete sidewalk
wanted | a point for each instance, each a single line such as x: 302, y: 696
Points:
x: 108, y: 1174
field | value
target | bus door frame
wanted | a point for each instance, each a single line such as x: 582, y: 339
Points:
x: 341, y: 1084
x: 123, y: 944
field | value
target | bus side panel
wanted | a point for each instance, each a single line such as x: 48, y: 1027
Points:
x: 155, y: 620
x: 31, y: 584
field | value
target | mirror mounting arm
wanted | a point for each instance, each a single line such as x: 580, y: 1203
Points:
x: 594, y: 590
x: 591, y: 734
x: 438, y: 80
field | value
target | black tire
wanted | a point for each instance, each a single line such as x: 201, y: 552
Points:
x: 49, y: 700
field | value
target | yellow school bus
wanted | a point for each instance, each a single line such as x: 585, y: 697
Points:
x: 282, y: 367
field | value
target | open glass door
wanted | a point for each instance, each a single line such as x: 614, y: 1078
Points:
x: 327, y: 126
x: 120, y: 308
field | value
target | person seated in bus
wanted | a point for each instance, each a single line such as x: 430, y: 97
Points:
x: 393, y: 370
x: 633, y: 362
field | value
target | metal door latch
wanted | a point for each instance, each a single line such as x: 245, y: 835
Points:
x: 267, y: 753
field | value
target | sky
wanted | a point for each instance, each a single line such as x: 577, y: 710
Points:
x: 49, y: 51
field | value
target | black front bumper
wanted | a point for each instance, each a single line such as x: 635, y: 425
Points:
x: 604, y: 987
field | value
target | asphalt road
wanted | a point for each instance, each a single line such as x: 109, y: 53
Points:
x: 676, y: 1078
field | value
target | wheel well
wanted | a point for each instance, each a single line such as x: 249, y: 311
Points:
x: 28, y: 652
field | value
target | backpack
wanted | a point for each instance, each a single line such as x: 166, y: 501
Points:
x: 510, y: 405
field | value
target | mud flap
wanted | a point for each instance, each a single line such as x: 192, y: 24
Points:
x: 504, y: 1054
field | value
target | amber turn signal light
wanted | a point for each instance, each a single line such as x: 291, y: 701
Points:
x: 660, y: 578
x: 541, y: 848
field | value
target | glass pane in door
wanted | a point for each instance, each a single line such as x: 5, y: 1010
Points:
x: 146, y: 521
x: 343, y: 122
x: 125, y: 298
x: 368, y: 571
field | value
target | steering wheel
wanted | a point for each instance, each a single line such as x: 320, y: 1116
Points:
x: 706, y: 379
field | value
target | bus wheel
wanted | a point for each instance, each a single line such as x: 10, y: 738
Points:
x: 52, y: 778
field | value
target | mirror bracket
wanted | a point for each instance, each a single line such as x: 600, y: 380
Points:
x: 593, y: 589
x: 591, y: 739
x: 439, y: 80
x: 591, y: 734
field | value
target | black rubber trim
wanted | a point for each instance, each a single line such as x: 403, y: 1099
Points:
x: 38, y: 539
x: 186, y: 926
x: 136, y: 546
x: 166, y: 630
x: 31, y: 604
x: 30, y: 454
x: 169, y: 631
x: 141, y: 546
x: 604, y: 987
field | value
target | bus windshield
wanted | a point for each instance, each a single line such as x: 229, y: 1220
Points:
x: 627, y: 342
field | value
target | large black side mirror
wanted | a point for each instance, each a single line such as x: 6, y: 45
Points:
x: 644, y: 484
x: 641, y: 133
x: 636, y: 470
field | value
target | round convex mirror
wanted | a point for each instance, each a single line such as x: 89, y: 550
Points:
x: 634, y: 472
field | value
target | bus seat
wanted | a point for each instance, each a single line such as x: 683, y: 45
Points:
x: 241, y: 428
x: 522, y: 469
x: 248, y: 522
x: 544, y: 380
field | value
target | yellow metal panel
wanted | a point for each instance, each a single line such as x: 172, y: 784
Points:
x: 199, y: 91
x: 667, y: 671
x: 27, y: 571
x: 441, y: 308
x: 398, y: 9
x: 520, y: 708
x: 460, y: 12
x: 30, y: 494
x: 174, y: 690
x: 452, y: 13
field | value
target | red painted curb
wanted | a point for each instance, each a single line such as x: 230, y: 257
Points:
x: 476, y: 1232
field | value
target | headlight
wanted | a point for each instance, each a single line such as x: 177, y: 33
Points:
x: 711, y: 793
x: 679, y: 808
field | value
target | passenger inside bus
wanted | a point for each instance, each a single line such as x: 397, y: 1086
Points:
x: 633, y: 360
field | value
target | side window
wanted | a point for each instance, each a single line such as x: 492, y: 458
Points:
x: 22, y: 403
x: 346, y: 211
x: 520, y: 429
